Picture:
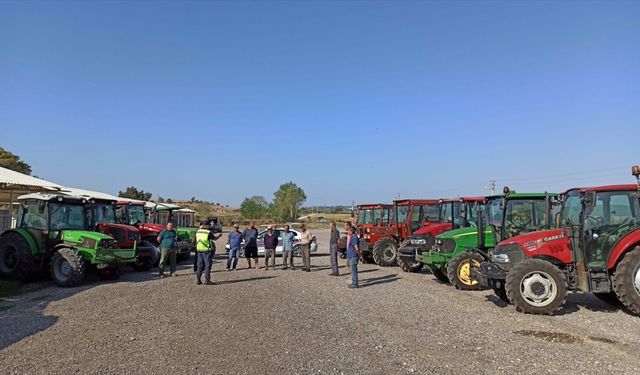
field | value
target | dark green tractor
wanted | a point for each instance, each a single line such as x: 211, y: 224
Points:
x: 51, y: 235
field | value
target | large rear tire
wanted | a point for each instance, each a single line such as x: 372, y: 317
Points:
x: 459, y: 270
x: 535, y: 286
x: 626, y: 280
x: 67, y: 267
x: 441, y: 276
x: 16, y: 259
x: 385, y: 252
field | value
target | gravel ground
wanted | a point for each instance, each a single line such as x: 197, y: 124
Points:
x: 274, y: 322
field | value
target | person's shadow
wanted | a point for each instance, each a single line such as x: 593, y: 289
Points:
x: 379, y: 280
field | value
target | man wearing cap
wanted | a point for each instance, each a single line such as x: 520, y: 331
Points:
x: 287, y: 247
x: 204, y: 254
x: 334, y: 242
x: 270, y: 244
x: 305, y: 248
x: 234, y: 241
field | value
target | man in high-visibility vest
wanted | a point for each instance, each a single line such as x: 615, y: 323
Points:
x: 203, y: 239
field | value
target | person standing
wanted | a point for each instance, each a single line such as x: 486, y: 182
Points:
x: 270, y: 245
x: 250, y: 235
x: 234, y: 241
x: 305, y: 248
x: 334, y: 242
x: 353, y: 256
x: 212, y: 242
x: 287, y: 247
x: 203, y: 239
x: 167, y: 240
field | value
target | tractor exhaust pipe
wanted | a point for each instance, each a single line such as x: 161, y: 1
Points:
x: 635, y: 171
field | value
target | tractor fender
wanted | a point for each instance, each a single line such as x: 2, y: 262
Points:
x: 27, y: 236
x: 625, y: 244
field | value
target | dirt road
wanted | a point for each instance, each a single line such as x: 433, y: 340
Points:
x: 274, y: 322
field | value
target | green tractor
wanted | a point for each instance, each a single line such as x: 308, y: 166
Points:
x: 453, y: 256
x: 51, y: 235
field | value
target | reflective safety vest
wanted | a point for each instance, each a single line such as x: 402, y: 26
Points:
x: 202, y: 240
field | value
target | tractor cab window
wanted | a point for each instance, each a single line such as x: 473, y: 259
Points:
x: 471, y: 214
x: 609, y: 218
x: 447, y: 209
x: 376, y: 217
x: 33, y: 215
x: 67, y: 216
x: 571, y: 210
x: 401, y: 214
x: 524, y: 215
x: 135, y: 214
x: 365, y: 216
x: 103, y: 213
x: 458, y: 220
x: 417, y: 217
x: 494, y: 213
x: 431, y: 213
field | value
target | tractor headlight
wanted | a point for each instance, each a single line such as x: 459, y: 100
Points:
x: 88, y: 243
x: 439, y: 241
x: 500, y: 258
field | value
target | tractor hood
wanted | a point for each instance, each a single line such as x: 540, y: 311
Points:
x: 461, y: 232
x: 532, y: 241
x: 433, y: 229
x: 79, y: 236
x: 151, y: 227
x: 124, y: 227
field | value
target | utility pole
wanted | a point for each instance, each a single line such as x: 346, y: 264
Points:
x: 492, y: 187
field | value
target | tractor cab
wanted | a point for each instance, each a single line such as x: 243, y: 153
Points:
x: 453, y: 214
x: 372, y: 215
x: 595, y: 249
x: 133, y: 213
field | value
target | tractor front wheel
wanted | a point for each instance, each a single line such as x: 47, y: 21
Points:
x: 535, y: 286
x: 441, y: 275
x: 626, y: 280
x: 385, y: 252
x: 67, y: 267
x: 16, y: 259
x: 459, y: 270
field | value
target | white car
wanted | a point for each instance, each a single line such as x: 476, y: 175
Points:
x: 296, y: 245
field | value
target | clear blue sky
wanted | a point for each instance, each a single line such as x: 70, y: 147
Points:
x: 351, y: 100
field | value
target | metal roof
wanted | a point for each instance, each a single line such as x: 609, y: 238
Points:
x: 52, y: 197
x: 13, y: 184
x: 89, y: 194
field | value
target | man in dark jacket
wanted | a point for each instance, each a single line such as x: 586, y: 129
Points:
x: 270, y: 245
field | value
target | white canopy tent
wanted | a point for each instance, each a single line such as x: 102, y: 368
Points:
x: 14, y: 184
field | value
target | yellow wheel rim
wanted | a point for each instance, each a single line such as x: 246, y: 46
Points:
x: 464, y: 271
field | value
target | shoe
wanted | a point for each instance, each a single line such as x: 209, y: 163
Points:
x: 198, y: 282
x: 229, y: 269
x: 307, y: 270
x: 266, y: 268
x: 173, y: 275
x: 285, y: 268
x: 351, y: 286
x: 161, y: 275
x: 209, y: 282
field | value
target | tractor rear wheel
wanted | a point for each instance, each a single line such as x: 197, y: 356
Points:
x: 535, y: 286
x: 459, y: 270
x: 16, y: 259
x: 626, y: 280
x: 385, y: 252
x: 67, y: 267
x: 441, y: 275
x: 610, y: 298
x: 411, y: 265
x: 145, y: 263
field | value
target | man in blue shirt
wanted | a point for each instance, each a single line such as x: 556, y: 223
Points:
x: 353, y: 256
x: 250, y: 235
x: 167, y: 240
x: 234, y: 241
x: 287, y: 247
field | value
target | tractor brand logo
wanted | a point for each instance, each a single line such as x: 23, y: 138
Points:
x: 553, y: 238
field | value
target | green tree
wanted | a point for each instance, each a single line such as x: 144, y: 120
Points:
x: 287, y: 201
x: 133, y: 193
x: 10, y: 161
x: 255, y: 207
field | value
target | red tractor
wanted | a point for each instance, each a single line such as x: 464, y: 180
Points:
x: 382, y: 242
x: 596, y: 250
x: 453, y: 214
x: 372, y: 215
x: 132, y: 213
